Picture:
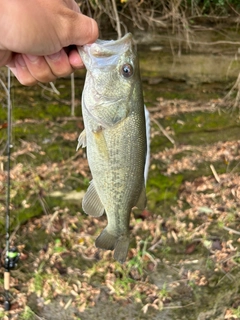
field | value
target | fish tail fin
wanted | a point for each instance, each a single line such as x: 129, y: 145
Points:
x: 121, y: 249
x: 108, y: 241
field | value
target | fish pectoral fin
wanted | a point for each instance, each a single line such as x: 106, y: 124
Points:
x: 91, y: 203
x: 120, y: 244
x: 82, y: 140
x: 142, y: 200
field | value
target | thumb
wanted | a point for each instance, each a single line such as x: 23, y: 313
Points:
x: 82, y: 30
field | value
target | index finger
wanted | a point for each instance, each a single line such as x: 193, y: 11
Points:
x: 75, y: 59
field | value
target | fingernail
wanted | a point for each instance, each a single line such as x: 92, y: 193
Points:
x: 31, y: 57
x: 20, y: 61
x: 55, y: 56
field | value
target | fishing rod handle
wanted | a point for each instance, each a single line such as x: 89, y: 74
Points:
x: 6, y: 280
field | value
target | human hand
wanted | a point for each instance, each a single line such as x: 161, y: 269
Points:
x: 35, y: 36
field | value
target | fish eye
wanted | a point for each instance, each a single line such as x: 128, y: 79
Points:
x: 127, y: 70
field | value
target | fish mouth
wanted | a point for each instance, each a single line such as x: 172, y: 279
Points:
x: 107, y: 48
x: 105, y: 52
x: 113, y: 44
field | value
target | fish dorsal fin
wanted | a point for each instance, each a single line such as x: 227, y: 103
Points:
x: 91, y: 203
x: 148, y: 135
x: 142, y: 200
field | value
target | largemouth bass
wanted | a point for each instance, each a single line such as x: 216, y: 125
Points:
x: 115, y: 137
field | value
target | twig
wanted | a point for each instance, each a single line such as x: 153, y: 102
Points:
x: 72, y: 95
x: 118, y: 25
x: 155, y: 245
x: 53, y: 217
x: 179, y: 307
x: 55, y: 90
x: 68, y: 304
x: 216, y: 176
x: 4, y: 87
x: 228, y: 275
x: 163, y: 130
x: 41, y: 200
x: 231, y: 230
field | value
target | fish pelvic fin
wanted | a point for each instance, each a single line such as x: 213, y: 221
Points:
x: 91, y: 203
x: 82, y: 140
x: 120, y: 244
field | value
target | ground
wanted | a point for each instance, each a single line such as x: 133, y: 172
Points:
x: 183, y: 261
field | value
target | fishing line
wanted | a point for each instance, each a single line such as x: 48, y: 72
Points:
x: 11, y: 255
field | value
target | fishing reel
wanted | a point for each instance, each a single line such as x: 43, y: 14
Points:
x: 11, y: 259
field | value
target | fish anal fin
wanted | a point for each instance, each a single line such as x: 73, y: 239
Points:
x: 91, y: 203
x: 142, y: 200
x: 106, y: 240
x: 82, y: 140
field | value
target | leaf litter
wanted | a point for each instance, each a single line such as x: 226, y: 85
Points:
x: 65, y: 266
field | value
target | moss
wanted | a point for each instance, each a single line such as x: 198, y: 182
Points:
x: 199, y: 128
x: 162, y: 189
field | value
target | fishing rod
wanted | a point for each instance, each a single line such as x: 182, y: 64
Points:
x: 11, y: 254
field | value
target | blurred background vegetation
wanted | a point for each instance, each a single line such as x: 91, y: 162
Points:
x: 152, y: 14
